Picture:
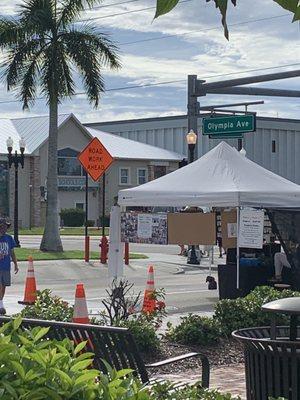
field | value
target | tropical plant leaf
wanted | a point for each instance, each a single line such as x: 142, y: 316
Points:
x: 42, y: 332
x: 291, y: 5
x: 80, y: 347
x: 164, y: 6
x: 17, y: 322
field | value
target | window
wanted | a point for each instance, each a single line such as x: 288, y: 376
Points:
x: 273, y: 146
x: 68, y: 166
x: 79, y: 206
x: 141, y: 176
x: 124, y: 178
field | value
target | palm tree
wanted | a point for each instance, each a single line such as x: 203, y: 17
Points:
x: 43, y: 44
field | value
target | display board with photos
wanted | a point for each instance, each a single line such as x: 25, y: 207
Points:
x: 148, y: 228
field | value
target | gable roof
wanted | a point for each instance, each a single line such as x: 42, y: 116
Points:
x: 35, y: 131
x: 123, y: 148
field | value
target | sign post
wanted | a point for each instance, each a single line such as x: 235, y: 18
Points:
x: 95, y: 160
x: 87, y: 238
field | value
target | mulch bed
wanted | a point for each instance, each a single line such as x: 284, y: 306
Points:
x: 226, y: 352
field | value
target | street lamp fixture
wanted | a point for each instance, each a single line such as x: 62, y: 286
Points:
x: 243, y: 152
x: 191, y: 139
x: 16, y: 159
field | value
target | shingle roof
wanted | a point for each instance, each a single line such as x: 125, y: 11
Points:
x: 35, y: 131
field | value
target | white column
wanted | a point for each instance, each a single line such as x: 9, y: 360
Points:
x: 115, y: 253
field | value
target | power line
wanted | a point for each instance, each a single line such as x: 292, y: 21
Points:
x: 111, y: 5
x: 168, y: 82
x: 125, y: 12
x: 203, y: 30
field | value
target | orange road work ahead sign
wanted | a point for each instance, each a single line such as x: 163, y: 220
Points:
x: 95, y: 159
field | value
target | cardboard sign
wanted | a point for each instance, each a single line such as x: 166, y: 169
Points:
x: 228, y: 229
x: 95, y: 159
x: 192, y: 228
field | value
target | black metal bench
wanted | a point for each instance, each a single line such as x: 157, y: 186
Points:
x: 114, y: 345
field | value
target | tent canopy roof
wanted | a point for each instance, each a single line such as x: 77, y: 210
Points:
x: 221, y: 178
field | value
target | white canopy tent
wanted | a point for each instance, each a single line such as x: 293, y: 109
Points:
x: 221, y: 178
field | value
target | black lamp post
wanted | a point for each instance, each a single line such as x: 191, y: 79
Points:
x: 191, y: 139
x: 15, y: 159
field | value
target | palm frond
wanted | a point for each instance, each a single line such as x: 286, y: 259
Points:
x: 87, y: 61
x: 38, y: 15
x: 29, y: 82
x: 56, y: 75
x: 17, y: 58
x: 90, y: 36
x: 11, y: 32
x: 71, y: 9
x: 90, y: 51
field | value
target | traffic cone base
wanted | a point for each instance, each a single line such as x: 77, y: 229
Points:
x: 30, y: 285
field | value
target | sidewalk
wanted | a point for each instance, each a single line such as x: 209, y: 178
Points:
x: 226, y: 379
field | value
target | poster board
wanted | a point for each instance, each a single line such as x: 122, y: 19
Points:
x: 148, y: 228
x: 192, y: 228
x: 228, y: 229
x: 251, y: 232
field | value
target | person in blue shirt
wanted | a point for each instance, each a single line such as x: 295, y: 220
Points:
x: 7, y: 245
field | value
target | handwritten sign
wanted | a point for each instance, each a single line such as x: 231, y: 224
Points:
x: 251, y: 229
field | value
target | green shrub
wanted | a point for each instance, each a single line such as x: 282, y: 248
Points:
x: 246, y: 312
x: 106, y: 220
x: 49, y: 307
x: 194, y: 330
x: 72, y: 216
x: 144, y: 333
x: 37, y: 369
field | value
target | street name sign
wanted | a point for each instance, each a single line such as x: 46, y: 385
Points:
x: 235, y: 124
x: 95, y: 159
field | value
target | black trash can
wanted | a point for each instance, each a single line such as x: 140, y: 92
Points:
x: 272, y: 366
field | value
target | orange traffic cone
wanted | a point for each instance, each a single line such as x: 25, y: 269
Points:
x: 80, y: 315
x: 149, y: 303
x: 30, y: 285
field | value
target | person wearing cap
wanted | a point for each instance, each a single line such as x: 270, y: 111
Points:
x: 7, y: 245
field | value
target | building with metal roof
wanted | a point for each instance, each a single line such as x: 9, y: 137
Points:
x: 274, y: 145
x: 135, y: 163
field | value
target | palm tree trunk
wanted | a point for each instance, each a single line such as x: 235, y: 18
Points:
x: 51, y: 239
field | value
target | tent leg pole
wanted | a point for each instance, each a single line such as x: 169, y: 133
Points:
x: 237, y: 248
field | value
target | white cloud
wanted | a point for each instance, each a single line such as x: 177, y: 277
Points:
x: 206, y: 53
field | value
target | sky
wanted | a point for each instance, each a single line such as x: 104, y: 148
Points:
x: 188, y: 40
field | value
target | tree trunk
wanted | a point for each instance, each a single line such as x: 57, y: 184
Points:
x: 51, y: 239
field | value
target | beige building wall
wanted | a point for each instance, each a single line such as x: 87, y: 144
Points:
x: 34, y: 176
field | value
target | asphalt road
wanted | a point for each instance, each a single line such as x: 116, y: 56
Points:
x: 184, y: 292
x: 77, y: 242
